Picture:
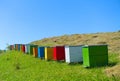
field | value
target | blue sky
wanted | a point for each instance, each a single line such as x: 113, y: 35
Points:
x: 23, y: 21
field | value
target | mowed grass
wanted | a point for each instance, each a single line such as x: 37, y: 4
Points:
x: 16, y: 66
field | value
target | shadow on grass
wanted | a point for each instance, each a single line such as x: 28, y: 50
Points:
x: 112, y: 64
x: 75, y: 63
x: 100, y: 66
x: 60, y: 61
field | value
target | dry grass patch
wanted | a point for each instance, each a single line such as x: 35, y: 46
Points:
x: 110, y: 38
x: 113, y: 71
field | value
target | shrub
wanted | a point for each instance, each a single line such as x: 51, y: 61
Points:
x: 118, y: 30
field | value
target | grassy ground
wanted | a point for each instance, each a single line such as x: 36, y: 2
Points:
x: 16, y: 66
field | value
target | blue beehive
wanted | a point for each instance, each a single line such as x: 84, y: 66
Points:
x: 19, y: 47
x: 41, y: 52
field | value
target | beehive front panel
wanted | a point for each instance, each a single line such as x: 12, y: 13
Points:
x: 76, y: 54
x: 85, y: 53
x: 15, y: 46
x: 11, y: 47
x: 26, y: 51
x: 60, y: 50
x: 55, y: 53
x: 23, y: 48
x: 42, y: 52
x: 45, y: 53
x: 98, y: 60
x: 35, y: 51
x: 49, y: 53
x: 28, y: 48
x: 31, y: 49
x: 67, y: 54
x: 38, y: 52
x: 18, y: 47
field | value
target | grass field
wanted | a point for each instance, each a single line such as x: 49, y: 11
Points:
x: 16, y: 66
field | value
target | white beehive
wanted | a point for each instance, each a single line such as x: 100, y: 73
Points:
x: 26, y: 49
x: 73, y: 54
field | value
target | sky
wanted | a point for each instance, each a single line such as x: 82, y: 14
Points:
x: 24, y: 21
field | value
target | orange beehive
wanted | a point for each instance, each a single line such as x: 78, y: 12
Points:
x: 35, y: 51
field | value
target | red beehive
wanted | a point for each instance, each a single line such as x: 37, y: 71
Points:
x: 59, y: 53
x: 23, y: 48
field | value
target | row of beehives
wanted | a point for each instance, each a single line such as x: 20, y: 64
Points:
x: 90, y: 55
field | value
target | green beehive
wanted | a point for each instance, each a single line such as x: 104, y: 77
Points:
x: 20, y: 47
x: 30, y: 48
x: 15, y: 46
x: 95, y: 55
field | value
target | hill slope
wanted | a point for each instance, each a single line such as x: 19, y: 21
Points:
x: 16, y: 66
x: 110, y: 38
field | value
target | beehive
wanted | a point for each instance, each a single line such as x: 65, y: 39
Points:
x: 30, y: 48
x: 48, y: 53
x: 19, y: 47
x: 95, y: 55
x: 73, y: 54
x: 35, y: 51
x: 26, y: 48
x: 59, y: 53
x: 41, y: 52
x: 23, y: 48
x: 15, y: 46
x: 11, y: 47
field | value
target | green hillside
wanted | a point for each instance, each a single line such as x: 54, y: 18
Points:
x: 110, y: 38
x: 16, y: 66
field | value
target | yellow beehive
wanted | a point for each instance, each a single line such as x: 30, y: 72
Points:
x: 48, y: 53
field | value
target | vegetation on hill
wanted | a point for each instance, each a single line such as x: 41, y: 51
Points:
x: 1, y: 51
x: 16, y: 66
x: 110, y: 38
